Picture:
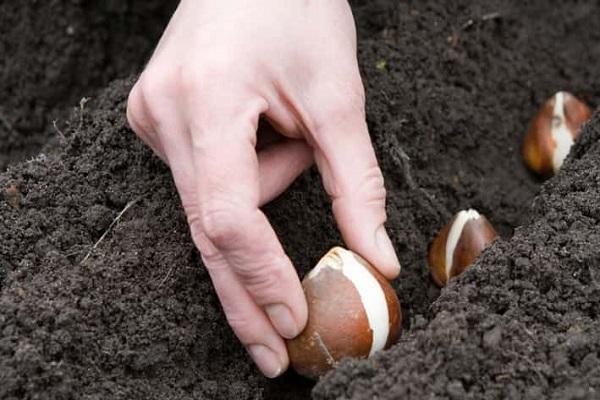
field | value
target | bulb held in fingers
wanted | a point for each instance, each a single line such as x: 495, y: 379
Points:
x: 353, y: 311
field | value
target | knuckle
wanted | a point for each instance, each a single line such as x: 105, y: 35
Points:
x: 156, y: 82
x: 208, y: 78
x: 355, y: 101
x: 209, y: 253
x: 339, y: 105
x: 198, y: 235
x: 137, y: 117
x: 222, y: 222
x: 263, y: 279
x: 191, y: 82
x: 222, y: 65
x: 240, y: 324
x: 372, y: 184
x: 367, y: 188
x: 350, y: 106
x: 153, y: 87
x: 135, y: 110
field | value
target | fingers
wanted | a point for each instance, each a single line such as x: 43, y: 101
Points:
x: 280, y: 164
x: 233, y: 235
x: 248, y: 321
x: 217, y: 173
x: 233, y: 224
x: 140, y: 123
x: 352, y: 177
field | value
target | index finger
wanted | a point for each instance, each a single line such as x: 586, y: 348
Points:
x: 351, y: 175
x: 227, y: 177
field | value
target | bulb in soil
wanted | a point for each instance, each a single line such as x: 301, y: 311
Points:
x: 553, y: 131
x: 458, y: 244
x: 353, y: 311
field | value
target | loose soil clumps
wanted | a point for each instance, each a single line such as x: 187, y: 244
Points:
x: 104, y: 296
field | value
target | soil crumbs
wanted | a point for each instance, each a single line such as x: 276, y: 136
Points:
x: 55, y: 52
x: 451, y: 87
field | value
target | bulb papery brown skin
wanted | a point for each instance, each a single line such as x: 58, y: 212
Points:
x: 458, y: 244
x: 353, y: 311
x: 553, y: 131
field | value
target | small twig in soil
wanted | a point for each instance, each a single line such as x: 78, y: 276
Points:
x: 406, y: 167
x: 492, y: 15
x: 485, y: 17
x: 60, y: 133
x: 403, y: 161
x: 385, y: 96
x: 433, y: 369
x: 166, y: 277
x: 82, y: 104
x: 106, y: 232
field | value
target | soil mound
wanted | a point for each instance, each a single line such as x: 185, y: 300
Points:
x: 104, y: 296
x: 522, y: 323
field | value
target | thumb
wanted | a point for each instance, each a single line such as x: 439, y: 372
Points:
x: 352, y: 178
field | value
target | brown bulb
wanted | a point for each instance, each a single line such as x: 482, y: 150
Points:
x: 353, y: 311
x: 458, y: 244
x: 553, y: 131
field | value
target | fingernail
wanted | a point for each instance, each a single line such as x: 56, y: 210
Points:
x: 282, y: 319
x: 385, y: 246
x: 267, y: 361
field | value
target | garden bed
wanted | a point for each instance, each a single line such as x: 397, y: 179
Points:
x: 93, y: 309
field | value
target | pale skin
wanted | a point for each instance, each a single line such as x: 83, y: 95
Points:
x: 220, y: 65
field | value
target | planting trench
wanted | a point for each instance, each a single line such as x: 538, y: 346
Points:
x: 450, y: 90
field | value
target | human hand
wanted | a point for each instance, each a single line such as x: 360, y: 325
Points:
x: 219, y: 66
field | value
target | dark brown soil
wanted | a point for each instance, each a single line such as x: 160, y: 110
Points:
x: 53, y: 53
x: 451, y: 86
